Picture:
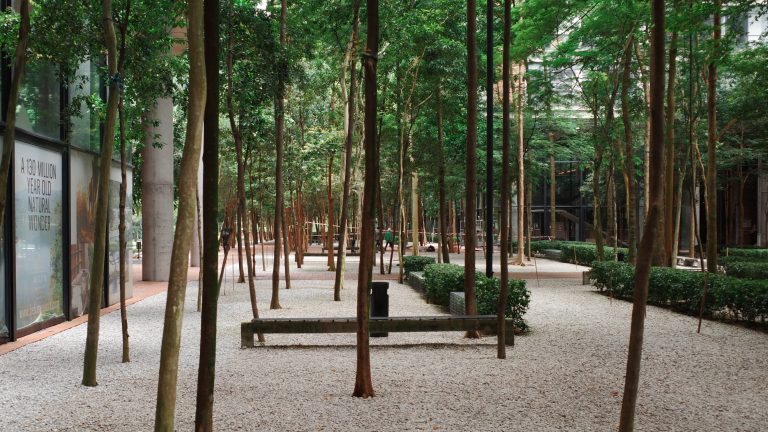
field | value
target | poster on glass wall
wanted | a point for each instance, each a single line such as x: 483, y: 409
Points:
x: 38, y: 235
x: 83, y: 186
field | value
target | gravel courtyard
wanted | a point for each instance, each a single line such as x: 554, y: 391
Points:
x: 566, y: 374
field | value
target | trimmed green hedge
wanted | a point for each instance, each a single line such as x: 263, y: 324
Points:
x: 416, y: 263
x: 746, y: 269
x: 681, y: 290
x: 746, y: 254
x: 577, y: 252
x: 518, y: 299
x: 443, y: 279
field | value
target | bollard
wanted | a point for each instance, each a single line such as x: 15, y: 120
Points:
x: 379, y: 304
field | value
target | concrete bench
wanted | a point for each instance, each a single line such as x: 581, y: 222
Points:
x: 483, y: 323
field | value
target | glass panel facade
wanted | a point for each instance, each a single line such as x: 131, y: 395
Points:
x: 84, y: 175
x: 84, y: 123
x: 38, y: 237
x: 39, y: 105
x: 4, y: 333
x: 113, y: 294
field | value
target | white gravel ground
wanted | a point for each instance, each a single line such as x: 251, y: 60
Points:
x: 566, y: 374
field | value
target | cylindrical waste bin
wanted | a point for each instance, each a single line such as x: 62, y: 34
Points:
x: 379, y: 304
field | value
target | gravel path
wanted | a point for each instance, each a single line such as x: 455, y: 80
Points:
x: 566, y: 374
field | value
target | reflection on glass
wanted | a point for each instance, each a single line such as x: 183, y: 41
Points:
x: 83, y: 184
x: 84, y: 122
x: 38, y: 240
x: 39, y: 100
x: 113, y: 294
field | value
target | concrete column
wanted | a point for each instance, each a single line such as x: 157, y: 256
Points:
x: 157, y: 193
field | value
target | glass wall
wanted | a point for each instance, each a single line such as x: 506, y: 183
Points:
x: 40, y: 100
x: 84, y: 122
x: 113, y: 293
x: 38, y: 236
x: 83, y: 180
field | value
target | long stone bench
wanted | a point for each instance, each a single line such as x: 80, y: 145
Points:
x: 483, y: 323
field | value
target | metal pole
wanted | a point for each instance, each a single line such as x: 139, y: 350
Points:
x: 489, y: 143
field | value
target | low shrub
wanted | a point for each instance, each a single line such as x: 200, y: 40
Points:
x: 746, y: 269
x: 681, y: 290
x: 577, y: 252
x: 487, y: 291
x: 750, y: 254
x: 416, y: 263
x: 443, y: 279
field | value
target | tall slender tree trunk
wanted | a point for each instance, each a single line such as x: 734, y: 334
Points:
x: 711, y: 179
x: 629, y: 154
x: 470, y: 231
x: 350, y: 124
x: 206, y: 372
x: 9, y: 133
x: 122, y: 241
x: 552, y: 190
x: 363, y: 380
x: 443, y: 210
x: 96, y: 285
x: 279, y: 128
x: 520, y: 127
x: 286, y: 255
x: 239, y: 239
x: 329, y: 231
x: 667, y: 232
x: 177, y: 284
x: 642, y: 269
x: 501, y: 349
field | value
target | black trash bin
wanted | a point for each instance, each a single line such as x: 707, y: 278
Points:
x: 380, y: 304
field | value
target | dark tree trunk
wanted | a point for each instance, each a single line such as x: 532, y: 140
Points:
x: 712, y: 146
x: 629, y: 160
x: 667, y: 234
x: 505, y: 192
x: 206, y: 372
x: 10, y: 119
x: 363, y: 380
x: 279, y: 127
x: 471, y: 185
x: 441, y: 180
x: 642, y: 269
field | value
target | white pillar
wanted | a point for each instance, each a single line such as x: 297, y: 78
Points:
x: 157, y: 193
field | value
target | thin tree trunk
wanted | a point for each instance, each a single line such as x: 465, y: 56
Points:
x: 286, y: 261
x: 501, y: 349
x: 10, y: 118
x: 711, y: 179
x: 644, y: 256
x: 668, y: 218
x: 352, y: 50
x: 470, y: 302
x: 443, y: 209
x: 629, y: 159
x: 102, y: 199
x: 363, y: 380
x: 552, y: 191
x: 239, y: 239
x: 279, y: 130
x: 174, y: 309
x: 122, y: 241
x: 520, y: 126
x: 329, y: 231
x: 206, y: 372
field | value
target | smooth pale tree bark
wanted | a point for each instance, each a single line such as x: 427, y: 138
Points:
x: 329, y: 231
x: 711, y: 180
x: 629, y: 160
x: 206, y: 372
x: 96, y: 285
x: 350, y: 126
x: 182, y: 239
x: 9, y: 135
x: 470, y: 231
x: 501, y: 349
x: 279, y: 198
x: 521, y: 194
x: 443, y: 209
x: 414, y: 205
x: 643, y: 266
x: 363, y: 380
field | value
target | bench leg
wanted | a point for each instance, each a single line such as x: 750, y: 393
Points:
x: 246, y: 336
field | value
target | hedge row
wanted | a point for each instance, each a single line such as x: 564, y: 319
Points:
x: 416, y: 263
x: 577, y: 252
x: 746, y: 253
x: 746, y: 269
x: 443, y: 279
x: 681, y: 290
